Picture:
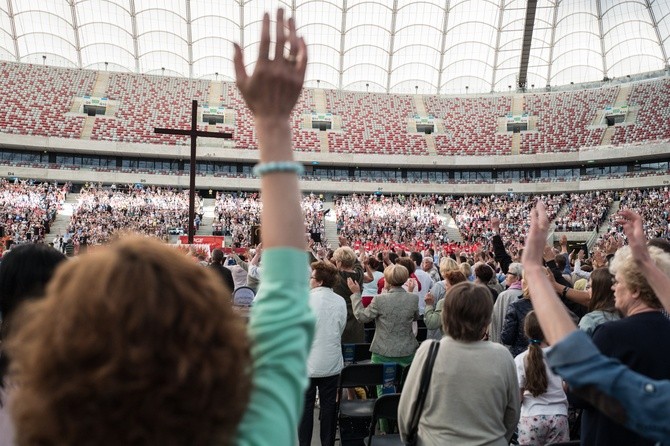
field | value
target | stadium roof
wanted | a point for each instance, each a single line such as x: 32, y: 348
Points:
x: 439, y: 46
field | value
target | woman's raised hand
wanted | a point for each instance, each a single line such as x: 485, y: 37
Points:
x: 274, y: 87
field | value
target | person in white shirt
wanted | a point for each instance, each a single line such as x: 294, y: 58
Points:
x: 325, y: 359
x: 424, y: 279
x: 544, y: 405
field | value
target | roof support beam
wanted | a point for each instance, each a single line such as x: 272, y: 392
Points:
x: 75, y: 29
x: 666, y: 62
x: 136, y: 44
x: 12, y: 23
x: 531, y: 8
x: 552, y: 42
x: 443, y: 45
x: 394, y: 16
x: 601, y: 35
x: 189, y: 38
x: 343, y: 33
x: 501, y: 11
x: 241, y: 39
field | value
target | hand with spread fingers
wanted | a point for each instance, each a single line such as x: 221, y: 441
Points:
x: 274, y: 87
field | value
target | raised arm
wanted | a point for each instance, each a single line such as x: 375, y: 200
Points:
x: 281, y: 325
x: 659, y: 282
x: 554, y: 318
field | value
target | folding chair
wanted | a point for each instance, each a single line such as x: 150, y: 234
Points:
x: 386, y: 407
x: 356, y: 353
x: 354, y: 416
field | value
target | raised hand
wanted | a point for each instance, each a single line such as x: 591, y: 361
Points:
x: 274, y: 87
x: 430, y: 299
x: 632, y: 227
x: 536, y: 239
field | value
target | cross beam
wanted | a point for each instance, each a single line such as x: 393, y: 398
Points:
x: 193, y: 133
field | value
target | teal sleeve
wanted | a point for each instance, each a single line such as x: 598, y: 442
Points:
x: 281, y: 328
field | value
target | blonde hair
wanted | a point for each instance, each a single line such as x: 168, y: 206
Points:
x: 346, y: 256
x: 448, y: 264
x: 466, y: 269
x: 625, y: 264
x: 396, y: 275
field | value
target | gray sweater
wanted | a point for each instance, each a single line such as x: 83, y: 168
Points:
x: 473, y: 398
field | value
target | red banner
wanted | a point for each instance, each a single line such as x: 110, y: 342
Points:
x: 214, y: 241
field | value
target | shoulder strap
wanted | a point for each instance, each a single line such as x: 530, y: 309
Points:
x: 426, y: 374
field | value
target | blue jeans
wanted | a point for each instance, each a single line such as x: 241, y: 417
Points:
x: 327, y: 396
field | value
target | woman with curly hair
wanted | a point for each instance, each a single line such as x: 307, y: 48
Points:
x: 544, y: 405
x: 134, y: 344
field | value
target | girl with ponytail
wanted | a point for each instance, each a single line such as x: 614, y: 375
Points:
x: 544, y: 406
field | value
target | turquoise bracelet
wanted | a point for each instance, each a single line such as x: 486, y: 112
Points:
x: 261, y: 169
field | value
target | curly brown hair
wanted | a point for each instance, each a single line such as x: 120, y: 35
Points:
x: 133, y: 344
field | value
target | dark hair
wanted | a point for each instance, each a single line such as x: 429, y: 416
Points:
x: 326, y: 273
x: 24, y: 273
x: 393, y: 257
x: 407, y: 263
x: 416, y: 257
x: 217, y: 256
x: 484, y: 273
x: 467, y: 311
x: 560, y: 262
x: 536, y: 371
x: 602, y: 296
x: 375, y: 264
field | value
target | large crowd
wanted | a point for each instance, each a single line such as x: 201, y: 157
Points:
x: 102, y: 212
x: 138, y: 344
x: 27, y: 208
x: 388, y: 220
x: 237, y: 215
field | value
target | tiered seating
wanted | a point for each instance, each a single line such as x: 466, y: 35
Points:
x: 562, y: 119
x: 374, y: 124
x: 471, y: 125
x: 34, y: 99
x: 146, y: 102
x: 304, y: 140
x: 653, y: 118
x: 243, y: 131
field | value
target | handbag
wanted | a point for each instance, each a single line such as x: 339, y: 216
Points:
x: 426, y: 373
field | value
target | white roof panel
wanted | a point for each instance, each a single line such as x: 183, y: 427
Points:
x: 402, y: 46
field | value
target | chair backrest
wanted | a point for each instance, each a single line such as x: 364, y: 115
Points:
x: 362, y: 352
x: 358, y: 375
x: 386, y: 406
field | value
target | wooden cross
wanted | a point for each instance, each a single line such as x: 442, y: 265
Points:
x: 193, y: 133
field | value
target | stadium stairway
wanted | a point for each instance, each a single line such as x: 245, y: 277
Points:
x: 330, y: 225
x: 452, y: 230
x: 63, y: 216
x: 207, y: 217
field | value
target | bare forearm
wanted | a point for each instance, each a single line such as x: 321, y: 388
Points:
x: 281, y: 218
x: 554, y: 318
x: 659, y: 282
